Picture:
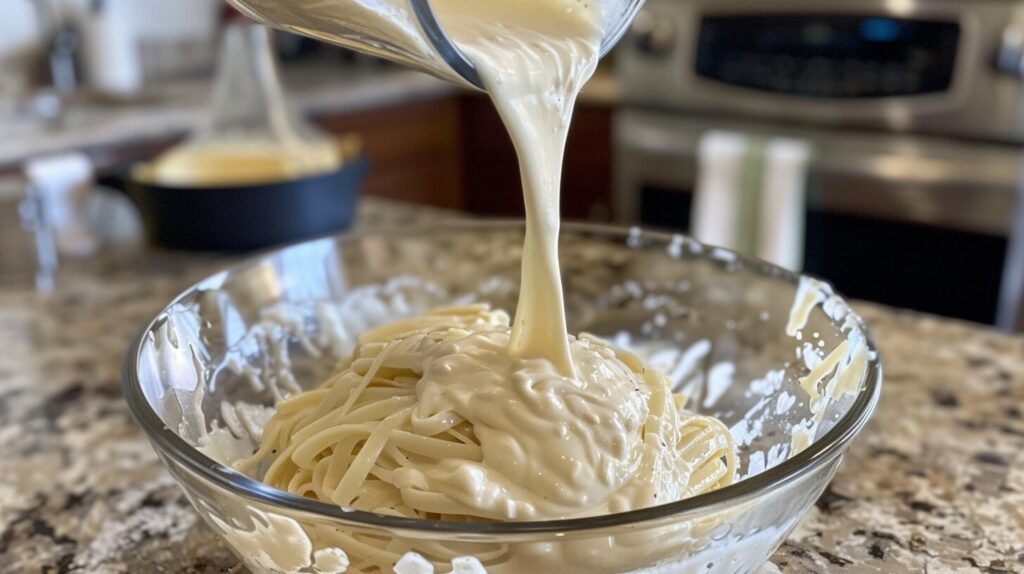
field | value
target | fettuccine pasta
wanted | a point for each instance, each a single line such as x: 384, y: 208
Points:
x: 432, y: 418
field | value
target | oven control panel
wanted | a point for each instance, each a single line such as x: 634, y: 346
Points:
x: 941, y: 67
x: 829, y: 55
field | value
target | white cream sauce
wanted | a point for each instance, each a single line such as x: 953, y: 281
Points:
x: 552, y: 446
x: 533, y: 57
x: 839, y: 374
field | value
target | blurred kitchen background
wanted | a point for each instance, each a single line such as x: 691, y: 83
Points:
x: 876, y: 143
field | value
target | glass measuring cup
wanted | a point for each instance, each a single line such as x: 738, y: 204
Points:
x: 404, y: 31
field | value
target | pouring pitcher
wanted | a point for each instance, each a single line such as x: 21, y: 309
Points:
x: 403, y: 31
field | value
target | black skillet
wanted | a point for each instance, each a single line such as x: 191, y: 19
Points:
x: 249, y: 217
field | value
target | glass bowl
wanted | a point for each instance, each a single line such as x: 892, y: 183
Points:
x: 778, y: 357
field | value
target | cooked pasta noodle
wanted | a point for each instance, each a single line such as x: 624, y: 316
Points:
x: 431, y: 418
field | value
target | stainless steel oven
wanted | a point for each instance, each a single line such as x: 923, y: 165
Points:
x: 915, y: 110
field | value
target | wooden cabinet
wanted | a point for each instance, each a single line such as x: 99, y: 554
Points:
x: 492, y: 184
x: 415, y: 150
x: 455, y: 153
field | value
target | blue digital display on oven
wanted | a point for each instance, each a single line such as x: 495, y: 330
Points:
x: 880, y: 29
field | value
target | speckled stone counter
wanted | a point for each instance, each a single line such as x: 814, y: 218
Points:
x: 936, y: 482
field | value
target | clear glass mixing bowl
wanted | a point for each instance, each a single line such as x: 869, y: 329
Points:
x: 726, y: 329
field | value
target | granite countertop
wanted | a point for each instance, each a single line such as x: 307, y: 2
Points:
x: 935, y: 483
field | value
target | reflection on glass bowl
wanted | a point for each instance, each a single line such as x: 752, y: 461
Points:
x: 778, y: 357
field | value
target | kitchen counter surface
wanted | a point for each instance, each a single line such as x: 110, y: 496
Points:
x: 171, y: 110
x: 936, y: 482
